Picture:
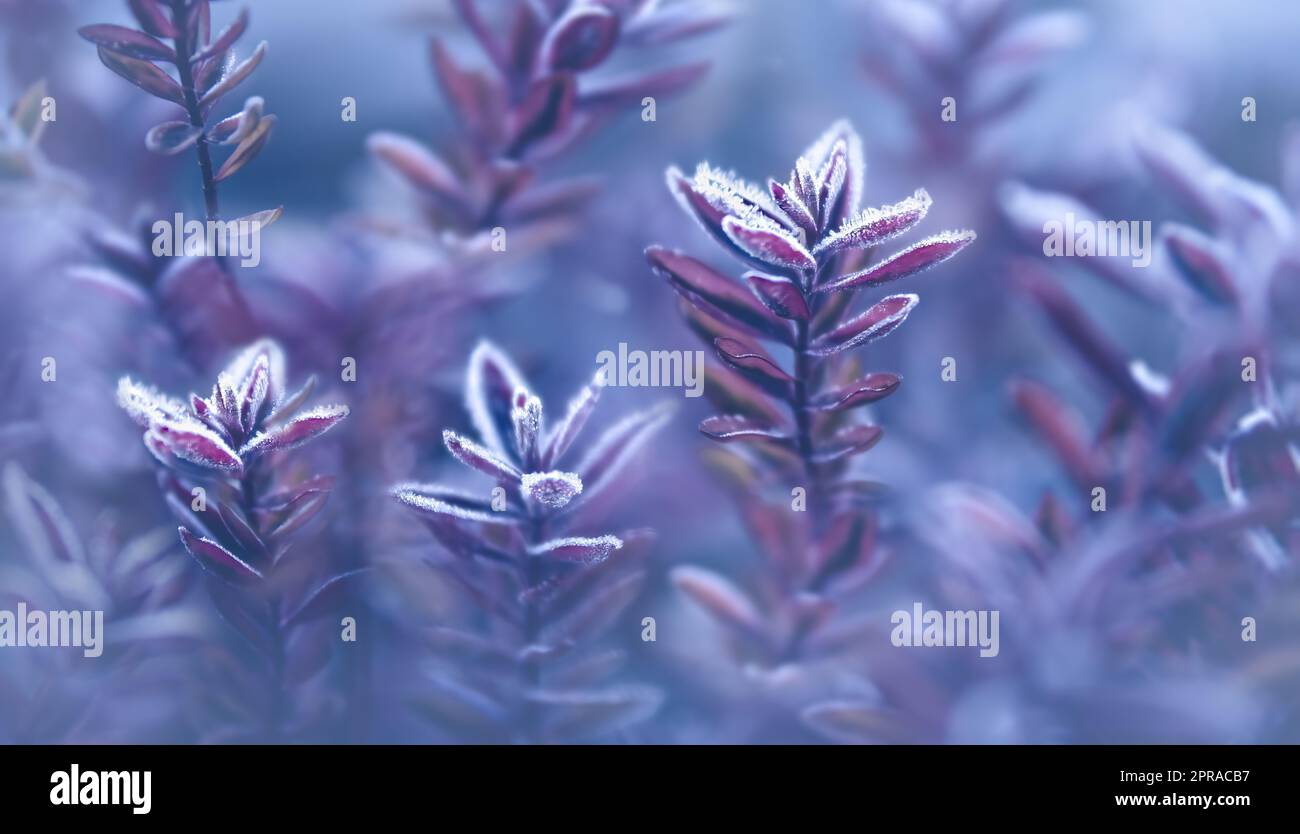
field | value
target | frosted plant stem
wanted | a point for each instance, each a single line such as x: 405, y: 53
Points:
x: 531, y: 669
x: 275, y: 712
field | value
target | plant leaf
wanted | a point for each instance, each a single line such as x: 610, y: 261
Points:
x: 144, y: 75
x: 128, y: 42
x: 874, y: 226
x: 580, y: 39
x: 915, y: 259
x: 225, y: 39
x: 587, y: 550
x: 171, y: 138
x: 232, y: 79
x: 248, y: 149
x: 478, y: 457
x: 215, y: 558
x: 780, y: 295
x: 719, y: 597
x: 876, y: 322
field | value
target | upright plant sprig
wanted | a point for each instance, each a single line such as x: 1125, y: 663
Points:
x: 223, y: 474
x: 205, y: 71
x: 980, y: 53
x: 1227, y: 289
x: 543, y: 592
x: 149, y: 621
x: 545, y: 87
x: 808, y: 244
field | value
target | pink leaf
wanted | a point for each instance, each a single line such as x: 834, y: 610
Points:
x: 580, y: 39
x: 771, y: 245
x: 303, y: 428
x: 876, y: 225
x: 192, y: 441
x: 867, y: 389
x: 144, y: 75
x: 780, y: 295
x: 127, y: 42
x: 719, y: 597
x: 912, y: 260
x: 878, y: 321
x: 215, y: 558
x: 478, y: 457
x: 584, y: 549
x: 733, y: 427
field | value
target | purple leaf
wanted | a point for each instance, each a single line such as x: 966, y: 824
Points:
x: 192, y: 441
x: 719, y: 597
x: 290, y: 405
x: 854, y: 722
x: 468, y: 11
x: 566, y: 431
x: 152, y: 18
x: 867, y: 389
x: 1035, y: 37
x: 36, y: 516
x: 198, y: 25
x: 755, y: 365
x: 878, y: 321
x: 301, y: 429
x: 298, y: 514
x: 851, y: 193
x: 478, y: 457
x: 592, y: 714
x: 546, y: 110
x: 324, y: 599
x: 127, y: 42
x: 209, y: 72
x: 233, y: 78
x: 848, y: 442
x: 733, y: 427
x: 248, y: 149
x: 225, y: 40
x: 794, y: 209
x: 526, y: 415
x: 769, y: 244
x: 217, y: 559
x: 830, y: 181
x: 144, y: 75
x: 618, y: 445
x: 733, y: 394
x: 253, y: 395
x: 1080, y: 333
x: 527, y: 29
x: 490, y: 385
x: 171, y: 138
x: 876, y: 225
x: 694, y: 279
x: 437, y: 501
x: 1061, y: 428
x: 586, y: 550
x: 580, y: 39
x: 1200, y: 399
x: 240, y: 531
x: 912, y: 260
x: 597, y: 609
x: 416, y: 163
x: 1201, y: 262
x: 780, y: 295
x: 473, y: 97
